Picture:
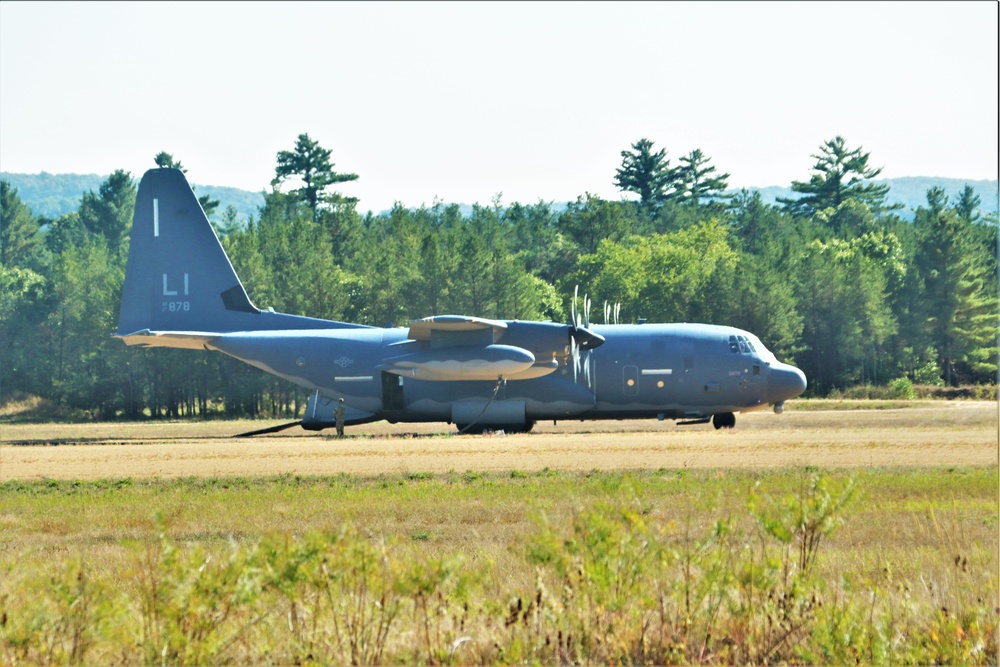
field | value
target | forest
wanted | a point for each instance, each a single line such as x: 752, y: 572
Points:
x: 834, y: 279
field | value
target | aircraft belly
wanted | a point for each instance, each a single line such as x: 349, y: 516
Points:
x: 541, y: 398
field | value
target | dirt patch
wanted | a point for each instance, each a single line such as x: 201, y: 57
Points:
x: 935, y: 435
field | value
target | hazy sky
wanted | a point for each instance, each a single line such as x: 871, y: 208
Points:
x: 462, y: 101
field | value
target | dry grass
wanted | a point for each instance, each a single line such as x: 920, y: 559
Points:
x: 923, y: 434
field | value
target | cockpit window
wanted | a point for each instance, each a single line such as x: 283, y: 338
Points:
x: 762, y: 351
x: 742, y: 345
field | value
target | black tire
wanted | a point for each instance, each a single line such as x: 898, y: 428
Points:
x: 479, y: 429
x: 724, y: 420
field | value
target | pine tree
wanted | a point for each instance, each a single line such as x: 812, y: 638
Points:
x: 310, y: 163
x: 960, y: 294
x: 166, y: 160
x: 841, y: 174
x: 21, y: 242
x: 108, y: 213
x: 698, y: 180
x: 648, y: 175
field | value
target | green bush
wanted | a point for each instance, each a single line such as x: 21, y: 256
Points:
x: 622, y: 581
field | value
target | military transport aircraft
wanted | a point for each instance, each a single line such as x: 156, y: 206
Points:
x: 181, y: 291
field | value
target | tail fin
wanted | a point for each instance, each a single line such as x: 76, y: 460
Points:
x: 180, y: 288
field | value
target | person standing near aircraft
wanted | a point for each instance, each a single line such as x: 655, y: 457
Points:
x: 338, y: 415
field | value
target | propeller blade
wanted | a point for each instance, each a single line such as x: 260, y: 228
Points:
x: 574, y: 315
x: 575, y: 351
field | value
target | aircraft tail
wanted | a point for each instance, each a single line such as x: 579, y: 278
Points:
x: 180, y: 288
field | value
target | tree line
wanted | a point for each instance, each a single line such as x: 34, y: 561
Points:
x: 833, y: 280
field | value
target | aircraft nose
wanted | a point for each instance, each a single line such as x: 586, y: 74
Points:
x: 784, y: 382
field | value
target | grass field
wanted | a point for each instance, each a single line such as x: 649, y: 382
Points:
x: 820, y: 536
x: 922, y: 433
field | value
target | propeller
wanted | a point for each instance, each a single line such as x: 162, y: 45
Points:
x: 579, y: 330
x: 611, y: 312
x: 581, y: 338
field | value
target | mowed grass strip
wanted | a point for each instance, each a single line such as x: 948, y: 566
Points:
x: 930, y: 433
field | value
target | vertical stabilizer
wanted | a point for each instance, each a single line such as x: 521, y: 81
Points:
x: 178, y: 278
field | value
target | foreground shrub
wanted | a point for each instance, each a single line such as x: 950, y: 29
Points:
x: 620, y: 581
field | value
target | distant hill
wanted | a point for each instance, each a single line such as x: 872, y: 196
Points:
x: 52, y: 195
x: 910, y: 191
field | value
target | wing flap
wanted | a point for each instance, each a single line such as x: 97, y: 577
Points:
x: 450, y: 330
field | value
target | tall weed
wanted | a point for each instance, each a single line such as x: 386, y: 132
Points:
x: 619, y: 579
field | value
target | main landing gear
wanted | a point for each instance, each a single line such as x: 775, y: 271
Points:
x: 477, y: 429
x: 724, y: 420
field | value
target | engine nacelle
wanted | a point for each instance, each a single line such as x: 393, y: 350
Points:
x: 489, y: 362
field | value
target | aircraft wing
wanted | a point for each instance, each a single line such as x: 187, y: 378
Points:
x: 461, y: 348
x: 187, y: 340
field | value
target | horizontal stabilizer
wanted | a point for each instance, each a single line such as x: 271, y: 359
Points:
x: 186, y: 340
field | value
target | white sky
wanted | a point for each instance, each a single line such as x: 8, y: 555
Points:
x: 461, y: 101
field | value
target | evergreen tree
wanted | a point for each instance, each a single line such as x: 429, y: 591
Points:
x: 310, y: 163
x: 21, y: 242
x: 960, y: 294
x: 648, y: 175
x: 166, y: 160
x: 88, y: 367
x: 763, y: 301
x: 698, y: 181
x: 967, y: 205
x: 841, y: 174
x: 842, y: 298
x: 590, y: 220
x: 108, y: 213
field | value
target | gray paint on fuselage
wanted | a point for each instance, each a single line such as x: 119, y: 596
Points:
x: 686, y: 359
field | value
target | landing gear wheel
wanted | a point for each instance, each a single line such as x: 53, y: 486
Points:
x: 724, y: 420
x: 480, y: 429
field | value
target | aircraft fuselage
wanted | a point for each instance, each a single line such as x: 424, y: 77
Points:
x: 665, y: 371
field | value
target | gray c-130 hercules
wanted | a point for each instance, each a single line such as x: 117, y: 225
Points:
x: 181, y: 291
